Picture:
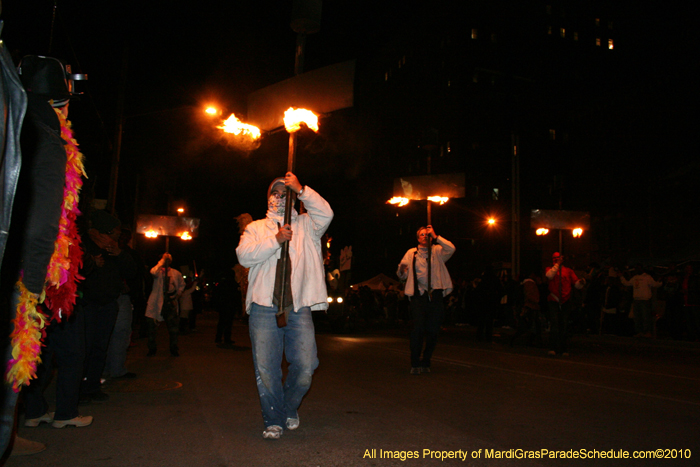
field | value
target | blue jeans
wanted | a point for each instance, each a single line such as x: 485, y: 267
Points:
x: 297, y: 341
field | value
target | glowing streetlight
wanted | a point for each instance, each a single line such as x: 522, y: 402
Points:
x: 491, y: 221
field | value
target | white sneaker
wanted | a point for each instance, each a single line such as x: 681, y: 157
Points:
x: 272, y: 432
x: 293, y: 423
x: 32, y: 422
x: 80, y: 420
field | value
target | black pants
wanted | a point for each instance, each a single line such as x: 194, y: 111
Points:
x: 427, y: 318
x: 65, y: 350
x: 99, y: 323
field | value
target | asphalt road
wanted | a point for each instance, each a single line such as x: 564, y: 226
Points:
x: 364, y: 409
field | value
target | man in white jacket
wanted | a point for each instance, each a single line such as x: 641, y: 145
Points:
x: 163, y: 303
x: 427, y: 309
x: 260, y: 249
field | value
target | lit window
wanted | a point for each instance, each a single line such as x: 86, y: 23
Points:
x: 610, y: 44
x: 597, y: 41
x: 562, y: 32
x: 474, y: 33
x: 552, y: 134
x: 575, y: 36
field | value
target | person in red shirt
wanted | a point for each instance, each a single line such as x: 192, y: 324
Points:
x: 561, y: 282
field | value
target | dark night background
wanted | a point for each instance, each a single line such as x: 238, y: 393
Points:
x: 611, y: 132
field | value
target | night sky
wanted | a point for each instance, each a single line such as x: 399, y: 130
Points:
x: 182, y: 57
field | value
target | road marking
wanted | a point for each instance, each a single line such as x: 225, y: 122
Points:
x: 552, y: 378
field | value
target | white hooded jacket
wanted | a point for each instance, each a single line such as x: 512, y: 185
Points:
x: 259, y: 250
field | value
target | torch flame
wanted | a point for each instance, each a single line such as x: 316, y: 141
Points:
x: 438, y: 199
x: 577, y: 232
x: 542, y: 231
x: 293, y: 118
x: 186, y: 236
x: 151, y: 234
x: 238, y: 128
x: 398, y: 200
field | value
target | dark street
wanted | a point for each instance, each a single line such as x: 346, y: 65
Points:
x: 202, y: 409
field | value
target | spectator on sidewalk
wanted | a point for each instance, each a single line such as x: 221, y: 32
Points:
x: 642, y: 293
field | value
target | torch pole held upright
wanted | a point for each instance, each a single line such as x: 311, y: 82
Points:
x: 289, y: 205
x: 430, y: 255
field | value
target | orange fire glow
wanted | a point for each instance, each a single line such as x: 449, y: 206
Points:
x: 438, y: 199
x: 235, y: 126
x: 577, y: 232
x: 293, y: 118
x: 398, y: 200
x: 151, y: 234
x: 185, y: 236
x: 542, y: 231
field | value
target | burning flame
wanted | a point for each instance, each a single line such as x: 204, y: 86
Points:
x: 577, y: 232
x: 398, y: 200
x: 238, y: 128
x: 438, y: 199
x: 151, y: 234
x: 186, y: 236
x: 542, y: 231
x: 293, y: 118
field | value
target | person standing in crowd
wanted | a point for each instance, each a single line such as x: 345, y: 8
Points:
x: 119, y: 343
x: 186, y: 305
x: 690, y: 287
x: 562, y: 281
x: 260, y: 250
x: 106, y: 268
x: 528, y: 312
x: 168, y: 285
x: 427, y: 308
x: 43, y: 221
x: 642, y: 285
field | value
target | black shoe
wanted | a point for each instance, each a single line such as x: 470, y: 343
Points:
x: 127, y: 375
x: 99, y: 396
x: 151, y: 353
x: 175, y: 352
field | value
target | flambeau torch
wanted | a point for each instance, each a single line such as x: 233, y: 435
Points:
x: 293, y: 120
x: 399, y: 201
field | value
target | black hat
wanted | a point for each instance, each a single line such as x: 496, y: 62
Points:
x: 48, y: 77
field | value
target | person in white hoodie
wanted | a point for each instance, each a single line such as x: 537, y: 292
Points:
x: 260, y: 249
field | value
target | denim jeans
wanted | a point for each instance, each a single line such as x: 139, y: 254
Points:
x: 297, y: 341
x: 120, y: 340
